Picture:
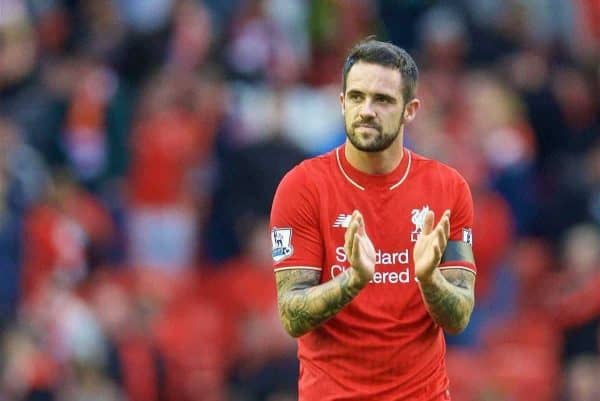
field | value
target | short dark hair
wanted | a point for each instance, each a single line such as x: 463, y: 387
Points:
x: 385, y: 54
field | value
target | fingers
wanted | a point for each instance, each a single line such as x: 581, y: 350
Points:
x: 444, y: 224
x: 442, y: 231
x: 353, y: 228
x: 432, y: 242
x: 361, y: 223
x: 356, y: 248
x: 428, y: 222
x: 349, y: 238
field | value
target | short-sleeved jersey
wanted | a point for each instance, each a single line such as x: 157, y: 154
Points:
x: 383, y: 345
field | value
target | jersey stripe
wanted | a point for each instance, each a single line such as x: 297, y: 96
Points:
x: 467, y: 268
x: 405, y: 173
x: 357, y: 185
x: 298, y: 267
x: 337, y: 156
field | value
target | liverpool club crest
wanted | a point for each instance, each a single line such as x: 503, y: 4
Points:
x: 418, y: 218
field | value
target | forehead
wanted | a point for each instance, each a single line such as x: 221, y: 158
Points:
x: 374, y: 78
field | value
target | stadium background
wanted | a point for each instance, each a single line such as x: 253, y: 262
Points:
x: 141, y: 142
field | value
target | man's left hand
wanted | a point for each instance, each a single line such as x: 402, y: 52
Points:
x: 430, y: 245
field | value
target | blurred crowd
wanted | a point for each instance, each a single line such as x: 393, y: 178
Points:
x: 141, y: 142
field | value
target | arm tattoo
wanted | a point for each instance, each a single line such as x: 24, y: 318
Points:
x: 304, y: 303
x: 449, y: 298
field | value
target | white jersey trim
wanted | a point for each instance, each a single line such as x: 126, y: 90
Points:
x: 337, y: 156
x: 405, y: 173
x: 357, y: 185
x: 298, y: 268
x: 458, y: 267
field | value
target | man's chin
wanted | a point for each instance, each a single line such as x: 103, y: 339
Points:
x: 370, y: 147
x: 373, y: 149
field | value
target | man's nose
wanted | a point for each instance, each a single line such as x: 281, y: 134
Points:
x: 367, y: 111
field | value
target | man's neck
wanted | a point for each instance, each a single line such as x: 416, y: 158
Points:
x: 382, y: 162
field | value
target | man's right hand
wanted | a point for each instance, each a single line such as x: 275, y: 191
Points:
x: 359, y: 250
x: 304, y: 304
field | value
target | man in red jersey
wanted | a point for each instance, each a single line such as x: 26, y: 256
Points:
x: 366, y: 278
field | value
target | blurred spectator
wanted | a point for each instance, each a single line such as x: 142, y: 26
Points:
x: 195, y: 337
x: 582, y: 379
x: 494, y: 290
x: 19, y: 47
x: 400, y: 21
x: 85, y: 137
x: 147, y: 25
x: 145, y: 16
x: 22, y: 95
x: 249, y: 174
x: 27, y: 372
x: 256, y: 44
x: 521, y: 349
x: 334, y: 27
x: 65, y: 236
x: 192, y: 36
x: 574, y: 306
x: 23, y: 179
x: 57, y: 350
x: 26, y: 172
x: 444, y: 40
x: 171, y: 157
x: 497, y: 128
x: 135, y: 361
x: 251, y: 304
x: 102, y: 29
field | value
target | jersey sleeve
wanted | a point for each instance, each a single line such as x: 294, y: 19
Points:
x: 295, y: 233
x: 461, y: 225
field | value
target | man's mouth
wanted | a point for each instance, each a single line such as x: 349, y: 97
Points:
x: 372, y: 126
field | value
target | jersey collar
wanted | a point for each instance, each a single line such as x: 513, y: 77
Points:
x: 361, y: 180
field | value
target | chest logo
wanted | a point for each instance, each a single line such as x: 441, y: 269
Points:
x: 418, y: 218
x: 342, y: 220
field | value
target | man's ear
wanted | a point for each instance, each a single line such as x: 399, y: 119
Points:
x: 410, y: 111
x: 342, y: 102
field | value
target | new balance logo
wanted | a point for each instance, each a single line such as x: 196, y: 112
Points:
x: 343, y: 220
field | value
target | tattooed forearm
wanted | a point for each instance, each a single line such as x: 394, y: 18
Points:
x: 304, y: 303
x: 449, y: 298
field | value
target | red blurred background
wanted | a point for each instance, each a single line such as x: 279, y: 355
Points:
x: 141, y: 142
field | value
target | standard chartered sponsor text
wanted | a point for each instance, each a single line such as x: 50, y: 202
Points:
x: 381, y: 258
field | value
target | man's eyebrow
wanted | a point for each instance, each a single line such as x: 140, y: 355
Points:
x: 385, y: 96
x: 377, y: 94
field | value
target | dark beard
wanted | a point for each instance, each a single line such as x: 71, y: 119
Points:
x: 383, y: 140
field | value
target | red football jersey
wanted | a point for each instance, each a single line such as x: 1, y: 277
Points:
x: 383, y: 345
